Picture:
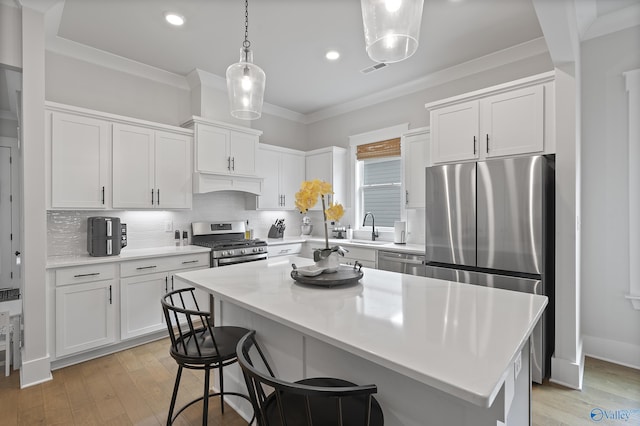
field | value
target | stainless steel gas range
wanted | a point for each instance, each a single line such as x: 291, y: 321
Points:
x: 228, y: 243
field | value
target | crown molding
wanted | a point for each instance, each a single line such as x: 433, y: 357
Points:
x: 493, y: 60
x: 617, y: 20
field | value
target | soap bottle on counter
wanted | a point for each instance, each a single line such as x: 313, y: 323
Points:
x: 349, y: 233
x: 185, y: 238
x: 177, y: 238
x: 248, y: 232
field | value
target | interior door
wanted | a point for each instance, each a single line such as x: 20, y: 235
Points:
x: 6, y: 254
x: 451, y: 214
x: 510, y: 214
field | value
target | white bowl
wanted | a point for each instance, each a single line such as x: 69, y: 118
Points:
x: 310, y: 271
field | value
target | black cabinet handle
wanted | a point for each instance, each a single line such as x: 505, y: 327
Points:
x: 93, y: 274
x: 228, y: 163
x: 186, y: 262
x: 166, y: 285
x: 171, y: 282
x: 158, y: 200
x: 146, y: 267
x: 152, y: 196
x: 474, y: 145
x: 103, y: 195
x: 233, y: 163
x: 110, y: 298
x: 406, y: 197
x: 487, y: 143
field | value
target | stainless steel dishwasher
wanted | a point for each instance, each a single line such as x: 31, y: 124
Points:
x: 405, y: 263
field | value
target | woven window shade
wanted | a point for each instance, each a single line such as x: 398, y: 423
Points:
x: 388, y: 148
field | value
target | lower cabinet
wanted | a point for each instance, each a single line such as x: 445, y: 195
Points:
x: 88, y: 300
x: 85, y: 316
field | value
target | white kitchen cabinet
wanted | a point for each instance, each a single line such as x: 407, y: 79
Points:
x: 513, y: 122
x: 151, y: 168
x: 79, y: 149
x: 144, y: 283
x: 222, y: 148
x: 456, y: 130
x: 84, y: 308
x: 415, y: 152
x: 282, y: 170
x: 515, y: 118
x: 329, y: 165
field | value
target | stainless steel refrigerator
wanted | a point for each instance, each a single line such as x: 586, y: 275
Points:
x: 491, y: 223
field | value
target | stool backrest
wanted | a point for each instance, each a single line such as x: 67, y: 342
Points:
x: 295, y: 403
x: 190, y: 329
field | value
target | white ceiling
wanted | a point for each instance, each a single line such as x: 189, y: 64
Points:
x: 290, y: 38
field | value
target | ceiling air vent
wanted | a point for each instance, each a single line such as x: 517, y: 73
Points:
x: 373, y: 68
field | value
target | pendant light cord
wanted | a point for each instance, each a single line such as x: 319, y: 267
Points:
x: 246, y: 43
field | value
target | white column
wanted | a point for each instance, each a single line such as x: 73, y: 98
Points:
x: 632, y: 79
x: 35, y: 356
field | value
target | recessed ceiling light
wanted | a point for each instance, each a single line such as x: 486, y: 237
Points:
x: 332, y: 55
x: 174, y: 18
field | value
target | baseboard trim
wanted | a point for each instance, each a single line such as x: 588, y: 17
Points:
x: 35, y: 371
x: 613, y: 351
x: 568, y: 373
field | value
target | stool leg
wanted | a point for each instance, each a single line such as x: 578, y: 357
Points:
x: 221, y: 390
x: 175, y: 394
x: 205, y: 409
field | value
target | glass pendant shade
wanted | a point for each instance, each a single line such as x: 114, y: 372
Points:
x: 391, y: 28
x: 245, y: 85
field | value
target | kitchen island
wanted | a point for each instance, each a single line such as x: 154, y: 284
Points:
x: 440, y: 352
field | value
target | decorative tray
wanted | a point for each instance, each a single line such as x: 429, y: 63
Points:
x: 344, y: 275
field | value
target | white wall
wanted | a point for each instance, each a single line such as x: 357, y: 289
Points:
x: 10, y: 36
x: 282, y: 132
x: 79, y: 83
x: 610, y: 326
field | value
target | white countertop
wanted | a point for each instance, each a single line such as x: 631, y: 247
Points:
x: 125, y: 254
x: 378, y: 245
x: 458, y: 338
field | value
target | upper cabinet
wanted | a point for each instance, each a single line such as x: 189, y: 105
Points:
x: 415, y: 154
x: 223, y: 148
x: 79, y: 149
x: 98, y: 160
x: 329, y: 165
x: 511, y: 119
x: 151, y: 168
x: 225, y: 156
x: 282, y: 170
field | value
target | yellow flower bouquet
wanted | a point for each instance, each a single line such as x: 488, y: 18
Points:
x: 307, y: 197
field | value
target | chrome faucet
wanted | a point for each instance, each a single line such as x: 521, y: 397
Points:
x: 374, y: 233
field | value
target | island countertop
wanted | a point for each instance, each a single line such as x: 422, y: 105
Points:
x: 458, y: 338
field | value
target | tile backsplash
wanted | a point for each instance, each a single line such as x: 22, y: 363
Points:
x: 67, y: 230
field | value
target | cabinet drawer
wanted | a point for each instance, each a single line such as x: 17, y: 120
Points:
x: 360, y: 254
x: 145, y: 266
x: 197, y: 260
x: 284, y: 249
x: 84, y: 274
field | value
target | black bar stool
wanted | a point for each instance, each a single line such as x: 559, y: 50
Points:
x: 321, y: 401
x: 197, y: 345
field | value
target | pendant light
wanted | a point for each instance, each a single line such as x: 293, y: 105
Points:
x: 245, y: 80
x: 391, y: 28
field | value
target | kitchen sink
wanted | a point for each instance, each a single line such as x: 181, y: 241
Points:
x: 367, y: 242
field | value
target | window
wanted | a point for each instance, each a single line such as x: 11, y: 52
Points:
x: 381, y: 190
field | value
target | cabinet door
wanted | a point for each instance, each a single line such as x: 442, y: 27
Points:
x: 85, y: 317
x: 243, y: 153
x: 513, y: 122
x: 415, y: 149
x: 140, y: 309
x: 455, y: 131
x: 78, y: 183
x: 269, y: 170
x: 319, y: 166
x: 173, y: 170
x: 133, y: 168
x: 212, y: 149
x: 291, y: 176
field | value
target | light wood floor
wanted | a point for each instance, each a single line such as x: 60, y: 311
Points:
x: 134, y: 387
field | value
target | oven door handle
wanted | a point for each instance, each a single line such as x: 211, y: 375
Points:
x: 241, y: 259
